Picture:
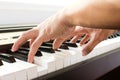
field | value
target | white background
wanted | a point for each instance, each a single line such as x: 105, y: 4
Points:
x: 20, y: 12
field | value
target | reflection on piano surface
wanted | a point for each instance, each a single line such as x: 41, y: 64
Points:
x: 48, y: 62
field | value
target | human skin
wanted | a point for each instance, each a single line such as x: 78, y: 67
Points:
x: 62, y: 25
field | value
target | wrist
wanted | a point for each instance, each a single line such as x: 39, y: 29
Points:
x: 65, y: 18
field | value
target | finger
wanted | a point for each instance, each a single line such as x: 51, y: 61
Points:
x: 21, y: 40
x: 74, y: 39
x: 89, y: 46
x: 33, y: 48
x: 84, y: 40
x: 57, y: 42
x: 31, y: 41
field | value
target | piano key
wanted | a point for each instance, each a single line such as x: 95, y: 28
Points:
x: 26, y: 50
x: 63, y: 46
x: 118, y: 34
x: 70, y: 44
x: 6, y: 73
x: 49, y: 59
x: 65, y: 57
x: 11, y: 71
x: 41, y: 70
x: 1, y: 63
x: 46, y: 49
x: 102, y: 48
x: 7, y: 57
x: 74, y: 57
x: 30, y: 69
x: 75, y: 53
x: 48, y: 62
x: 17, y: 55
x: 22, y: 70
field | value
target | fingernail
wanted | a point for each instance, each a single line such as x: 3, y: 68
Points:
x: 84, y: 53
x: 30, y: 61
x: 12, y: 50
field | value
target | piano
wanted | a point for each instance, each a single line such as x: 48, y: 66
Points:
x: 65, y: 63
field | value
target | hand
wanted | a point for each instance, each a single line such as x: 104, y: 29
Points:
x: 54, y: 27
x: 95, y: 36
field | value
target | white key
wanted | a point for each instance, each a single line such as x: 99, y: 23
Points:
x: 14, y: 70
x: 31, y: 69
x: 42, y: 70
x: 103, y: 47
x: 45, y: 61
x: 66, y: 58
x: 53, y: 61
x: 6, y: 73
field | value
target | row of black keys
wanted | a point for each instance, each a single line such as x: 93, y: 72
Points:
x: 22, y: 53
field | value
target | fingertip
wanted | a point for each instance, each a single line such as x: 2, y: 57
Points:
x: 30, y: 58
x: 86, y: 50
x: 14, y: 48
x: 84, y: 53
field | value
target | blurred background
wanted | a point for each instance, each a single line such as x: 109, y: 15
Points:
x: 26, y: 12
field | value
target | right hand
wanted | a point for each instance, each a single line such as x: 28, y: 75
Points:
x: 54, y: 27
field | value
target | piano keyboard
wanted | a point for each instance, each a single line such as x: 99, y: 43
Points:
x: 14, y: 65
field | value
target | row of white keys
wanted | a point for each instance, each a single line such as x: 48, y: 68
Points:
x: 102, y: 48
x: 52, y: 61
x: 18, y: 71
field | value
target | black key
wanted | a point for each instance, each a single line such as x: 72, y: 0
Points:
x: 22, y: 52
x: 109, y: 37
x: 7, y: 57
x: 118, y: 34
x: 78, y: 41
x: 47, y: 49
x: 14, y: 37
x: 63, y: 46
x: 17, y: 55
x: 70, y: 44
x: 51, y: 41
x: 1, y: 63
x: 25, y: 51
x: 115, y: 35
x: 47, y: 44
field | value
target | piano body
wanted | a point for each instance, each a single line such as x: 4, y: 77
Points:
x: 67, y: 63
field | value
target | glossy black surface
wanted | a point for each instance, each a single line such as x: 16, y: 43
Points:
x: 46, y: 49
x: 70, y: 44
x: 25, y: 51
x: 1, y: 63
x: 7, y: 57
